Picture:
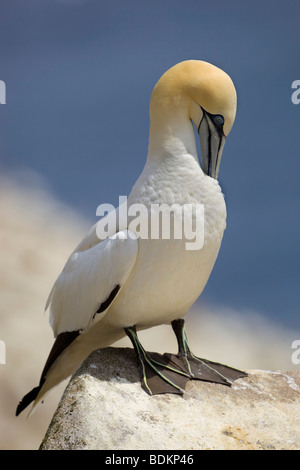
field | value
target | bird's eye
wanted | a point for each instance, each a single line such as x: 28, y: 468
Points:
x: 218, y: 120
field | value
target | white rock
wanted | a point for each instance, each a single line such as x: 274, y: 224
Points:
x: 105, y: 408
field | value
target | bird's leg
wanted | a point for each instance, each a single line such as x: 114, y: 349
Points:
x: 159, y: 374
x: 197, y: 367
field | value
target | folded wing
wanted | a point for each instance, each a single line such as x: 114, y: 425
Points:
x: 83, y: 293
x: 90, y: 280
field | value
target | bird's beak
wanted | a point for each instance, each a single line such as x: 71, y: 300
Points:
x: 212, y: 140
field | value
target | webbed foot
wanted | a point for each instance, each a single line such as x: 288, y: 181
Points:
x: 196, y: 367
x: 169, y: 373
x: 159, y: 373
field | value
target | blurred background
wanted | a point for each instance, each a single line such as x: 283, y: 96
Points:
x: 74, y: 134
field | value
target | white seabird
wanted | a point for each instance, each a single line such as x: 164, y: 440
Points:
x: 122, y: 284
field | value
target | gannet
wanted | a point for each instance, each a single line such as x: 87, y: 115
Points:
x: 121, y: 284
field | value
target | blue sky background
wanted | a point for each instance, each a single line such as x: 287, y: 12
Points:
x: 79, y: 75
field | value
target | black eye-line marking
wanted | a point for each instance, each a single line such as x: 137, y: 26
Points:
x: 219, y: 129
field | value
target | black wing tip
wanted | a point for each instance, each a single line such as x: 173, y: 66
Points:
x: 27, y: 399
x: 62, y: 341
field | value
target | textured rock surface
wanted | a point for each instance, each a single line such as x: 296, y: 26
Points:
x: 104, y: 407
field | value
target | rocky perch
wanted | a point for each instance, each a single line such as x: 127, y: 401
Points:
x: 104, y: 407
